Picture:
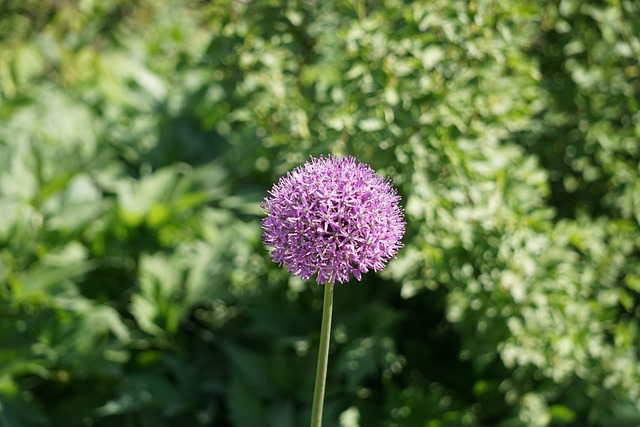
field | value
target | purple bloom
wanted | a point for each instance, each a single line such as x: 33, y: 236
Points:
x: 333, y: 216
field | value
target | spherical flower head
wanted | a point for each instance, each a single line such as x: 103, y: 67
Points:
x: 332, y: 216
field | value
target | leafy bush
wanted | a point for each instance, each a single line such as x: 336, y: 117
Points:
x: 137, y: 140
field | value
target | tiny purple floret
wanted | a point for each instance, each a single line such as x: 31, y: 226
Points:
x: 332, y: 216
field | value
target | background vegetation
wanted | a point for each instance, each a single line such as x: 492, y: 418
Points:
x: 138, y: 138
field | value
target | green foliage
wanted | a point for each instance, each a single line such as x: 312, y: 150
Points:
x: 138, y: 138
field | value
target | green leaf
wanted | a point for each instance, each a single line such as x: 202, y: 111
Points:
x: 562, y: 414
x: 19, y: 414
x: 253, y: 369
x: 246, y: 409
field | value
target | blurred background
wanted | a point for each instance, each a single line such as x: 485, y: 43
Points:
x: 137, y: 139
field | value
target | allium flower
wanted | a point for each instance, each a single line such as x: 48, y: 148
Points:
x: 335, y: 217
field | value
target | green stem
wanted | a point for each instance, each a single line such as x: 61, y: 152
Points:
x: 360, y: 9
x: 323, y: 357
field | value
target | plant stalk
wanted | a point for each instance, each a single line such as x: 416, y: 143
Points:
x: 323, y: 357
x: 361, y: 9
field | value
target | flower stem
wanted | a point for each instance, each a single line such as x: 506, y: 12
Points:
x: 323, y: 357
x: 360, y: 9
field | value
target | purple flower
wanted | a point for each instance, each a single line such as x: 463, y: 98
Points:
x: 333, y: 216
